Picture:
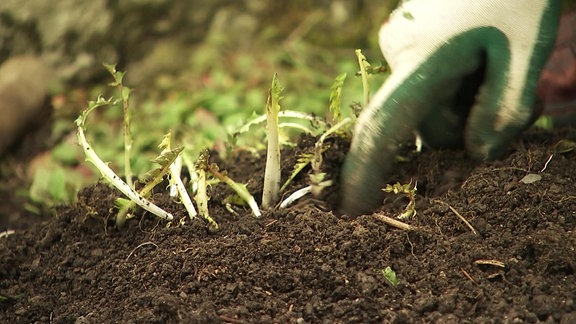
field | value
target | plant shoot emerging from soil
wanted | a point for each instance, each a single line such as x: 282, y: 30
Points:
x: 390, y: 276
x: 409, y: 192
x: 364, y: 66
x: 152, y: 179
x: 271, y: 191
x: 106, y: 171
x: 125, y: 95
x: 239, y: 188
x: 341, y: 127
x: 201, y: 196
x: 176, y: 181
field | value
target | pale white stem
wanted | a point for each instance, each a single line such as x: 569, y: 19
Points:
x: 271, y: 189
x: 179, y: 185
x: 301, y: 193
x: 111, y: 177
x: 281, y: 114
x: 175, y: 172
x: 6, y: 233
x: 254, y: 206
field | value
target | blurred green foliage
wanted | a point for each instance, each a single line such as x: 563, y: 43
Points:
x: 217, y: 90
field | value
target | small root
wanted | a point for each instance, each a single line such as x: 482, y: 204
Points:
x: 139, y: 246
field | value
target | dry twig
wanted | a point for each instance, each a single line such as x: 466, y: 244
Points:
x: 459, y: 216
x: 395, y: 223
x: 468, y: 275
x: 491, y: 262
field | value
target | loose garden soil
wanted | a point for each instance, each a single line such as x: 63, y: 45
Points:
x: 515, y: 262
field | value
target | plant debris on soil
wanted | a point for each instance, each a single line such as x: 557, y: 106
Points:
x: 487, y: 246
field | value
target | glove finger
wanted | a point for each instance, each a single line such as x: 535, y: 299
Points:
x: 505, y: 103
x: 388, y: 120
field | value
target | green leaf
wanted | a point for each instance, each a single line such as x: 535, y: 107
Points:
x: 544, y: 122
x: 336, y: 97
x: 390, y: 276
x: 117, y: 75
x: 303, y: 160
x: 407, y: 15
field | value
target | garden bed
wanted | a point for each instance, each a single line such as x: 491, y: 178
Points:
x: 515, y: 261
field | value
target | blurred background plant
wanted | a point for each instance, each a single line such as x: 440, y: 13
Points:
x: 200, y: 69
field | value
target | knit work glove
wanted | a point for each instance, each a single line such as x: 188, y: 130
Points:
x: 464, y: 75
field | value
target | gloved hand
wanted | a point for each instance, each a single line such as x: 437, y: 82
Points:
x: 464, y: 74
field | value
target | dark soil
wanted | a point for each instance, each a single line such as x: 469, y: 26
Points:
x: 308, y: 264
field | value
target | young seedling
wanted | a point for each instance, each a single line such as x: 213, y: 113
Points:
x: 108, y: 174
x: 239, y: 188
x: 152, y: 178
x: 317, y: 178
x: 125, y: 95
x: 408, y: 191
x: 317, y: 182
x: 175, y: 180
x: 390, y: 276
x: 366, y: 69
x: 271, y: 191
x: 364, y: 66
x: 201, y: 196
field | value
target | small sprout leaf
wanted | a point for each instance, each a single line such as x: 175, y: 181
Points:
x: 336, y: 97
x: 544, y: 122
x: 303, y: 160
x: 407, y: 15
x: 409, y: 192
x: 390, y: 276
